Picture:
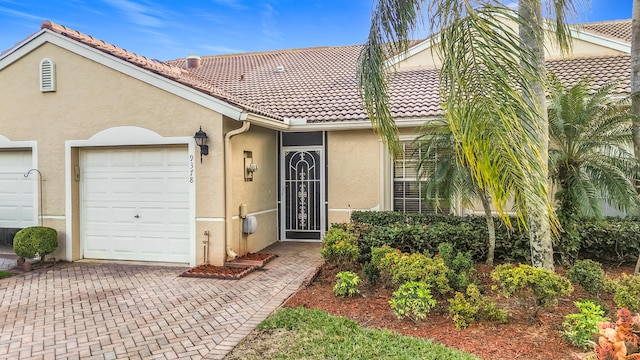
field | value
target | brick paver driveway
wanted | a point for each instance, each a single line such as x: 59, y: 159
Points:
x: 114, y: 311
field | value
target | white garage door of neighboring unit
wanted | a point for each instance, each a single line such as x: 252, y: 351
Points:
x: 16, y: 191
x: 135, y: 204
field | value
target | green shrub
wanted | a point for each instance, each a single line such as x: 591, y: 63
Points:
x: 379, y: 254
x: 347, y: 284
x: 413, y: 300
x: 383, y: 218
x: 627, y: 293
x: 405, y: 237
x: 579, y: 328
x: 589, y: 275
x: 398, y: 268
x: 340, y: 248
x: 526, y: 281
x: 35, y: 241
x: 371, y: 273
x: 467, y: 309
x: 610, y: 239
x: 395, y: 229
x: 460, y: 268
x: 607, y: 240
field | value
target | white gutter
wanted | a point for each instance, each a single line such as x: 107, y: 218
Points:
x: 228, y: 220
x: 266, y: 122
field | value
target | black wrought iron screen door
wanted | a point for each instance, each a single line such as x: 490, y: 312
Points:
x: 302, y: 198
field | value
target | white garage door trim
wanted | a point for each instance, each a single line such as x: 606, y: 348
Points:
x: 29, y: 147
x: 128, y: 136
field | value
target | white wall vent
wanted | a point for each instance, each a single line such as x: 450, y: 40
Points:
x: 47, y: 75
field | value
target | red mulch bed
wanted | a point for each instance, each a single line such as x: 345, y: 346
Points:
x: 254, y: 256
x: 218, y: 272
x: 520, y: 338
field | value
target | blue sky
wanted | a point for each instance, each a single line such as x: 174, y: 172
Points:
x: 168, y: 30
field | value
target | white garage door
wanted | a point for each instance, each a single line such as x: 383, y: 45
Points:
x: 16, y: 191
x: 135, y: 204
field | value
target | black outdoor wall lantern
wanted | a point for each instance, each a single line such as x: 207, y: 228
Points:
x: 201, y: 139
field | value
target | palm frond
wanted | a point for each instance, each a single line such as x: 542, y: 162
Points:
x: 589, y: 150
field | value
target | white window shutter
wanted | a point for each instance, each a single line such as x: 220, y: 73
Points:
x: 47, y: 75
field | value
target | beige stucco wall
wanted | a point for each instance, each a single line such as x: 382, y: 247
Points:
x: 90, y: 98
x: 426, y: 59
x: 260, y: 194
x: 353, y: 173
x: 580, y: 48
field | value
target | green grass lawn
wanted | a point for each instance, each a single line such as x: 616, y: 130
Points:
x: 5, y: 274
x: 313, y: 334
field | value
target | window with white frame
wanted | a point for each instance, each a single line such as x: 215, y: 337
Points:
x: 407, y: 185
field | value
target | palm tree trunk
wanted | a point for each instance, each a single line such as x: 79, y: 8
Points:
x: 635, y: 85
x: 635, y: 74
x: 533, y: 37
x: 491, y: 227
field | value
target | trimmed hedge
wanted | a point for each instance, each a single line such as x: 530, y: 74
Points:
x: 35, y: 241
x: 606, y: 240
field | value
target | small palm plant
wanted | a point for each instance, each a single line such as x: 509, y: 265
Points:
x: 448, y: 177
x: 589, y: 160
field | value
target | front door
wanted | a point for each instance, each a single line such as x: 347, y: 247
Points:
x: 303, y: 215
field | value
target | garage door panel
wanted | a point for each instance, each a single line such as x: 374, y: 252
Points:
x: 152, y: 216
x: 177, y: 216
x: 16, y: 192
x: 122, y: 186
x: 97, y: 243
x: 124, y: 244
x: 143, y: 195
x: 15, y: 215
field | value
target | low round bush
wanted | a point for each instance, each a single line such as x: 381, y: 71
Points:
x: 340, y: 248
x: 413, y: 300
x: 525, y: 281
x: 579, y: 328
x: 467, y: 309
x: 347, y: 284
x: 398, y: 268
x: 627, y: 293
x: 35, y: 241
x: 589, y: 275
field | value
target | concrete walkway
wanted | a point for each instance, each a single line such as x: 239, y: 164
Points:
x: 113, y: 311
x: 7, y: 258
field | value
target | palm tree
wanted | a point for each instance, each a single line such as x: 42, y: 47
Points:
x: 588, y: 156
x: 532, y: 37
x: 635, y: 75
x: 447, y: 178
x: 498, y: 127
x: 635, y: 86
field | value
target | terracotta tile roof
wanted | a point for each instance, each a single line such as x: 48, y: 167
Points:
x: 601, y: 70
x: 320, y: 84
x: 164, y: 69
x: 620, y: 29
x: 317, y: 83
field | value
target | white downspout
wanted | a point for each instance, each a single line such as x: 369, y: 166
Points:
x: 227, y: 187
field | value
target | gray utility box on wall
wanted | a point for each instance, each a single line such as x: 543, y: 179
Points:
x: 249, y: 225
